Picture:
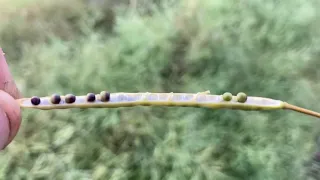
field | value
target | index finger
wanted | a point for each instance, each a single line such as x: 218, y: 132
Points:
x: 7, y: 83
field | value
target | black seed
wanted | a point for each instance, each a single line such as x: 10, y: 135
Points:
x: 104, y: 96
x: 91, y: 97
x: 35, y: 100
x: 317, y: 156
x: 70, y: 98
x: 55, y: 99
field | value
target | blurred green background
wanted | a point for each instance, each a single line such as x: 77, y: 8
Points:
x: 266, y: 48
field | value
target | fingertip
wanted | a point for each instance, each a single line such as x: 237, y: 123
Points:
x: 6, y: 80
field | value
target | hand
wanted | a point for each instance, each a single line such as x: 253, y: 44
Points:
x: 10, y: 115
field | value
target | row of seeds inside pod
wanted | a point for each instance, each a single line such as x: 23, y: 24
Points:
x: 70, y: 98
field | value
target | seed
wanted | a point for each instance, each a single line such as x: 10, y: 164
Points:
x: 104, y: 96
x: 35, y: 100
x: 70, y: 98
x: 55, y: 99
x: 227, y: 96
x: 91, y: 97
x: 242, y: 97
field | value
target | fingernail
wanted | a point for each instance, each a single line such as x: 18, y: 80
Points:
x: 3, y: 55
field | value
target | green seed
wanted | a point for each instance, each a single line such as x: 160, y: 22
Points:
x: 227, y: 96
x: 242, y: 97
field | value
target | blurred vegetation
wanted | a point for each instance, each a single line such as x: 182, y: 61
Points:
x: 264, y: 48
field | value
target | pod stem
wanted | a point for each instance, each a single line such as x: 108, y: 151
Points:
x: 301, y: 110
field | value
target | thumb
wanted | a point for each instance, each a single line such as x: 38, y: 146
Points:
x: 9, y: 118
x: 4, y: 130
x: 6, y: 80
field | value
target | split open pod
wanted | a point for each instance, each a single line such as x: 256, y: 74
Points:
x: 121, y: 99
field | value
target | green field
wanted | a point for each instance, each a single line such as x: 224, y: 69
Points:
x: 264, y: 48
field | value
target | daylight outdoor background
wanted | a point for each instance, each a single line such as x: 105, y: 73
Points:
x: 265, y: 48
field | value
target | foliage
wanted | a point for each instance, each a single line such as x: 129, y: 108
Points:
x: 263, y: 48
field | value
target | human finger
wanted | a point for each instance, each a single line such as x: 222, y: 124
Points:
x: 12, y: 112
x: 4, y: 129
x: 7, y: 83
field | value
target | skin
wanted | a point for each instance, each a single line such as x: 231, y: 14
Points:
x: 10, y: 114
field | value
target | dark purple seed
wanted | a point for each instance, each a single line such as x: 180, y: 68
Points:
x: 104, y: 96
x: 91, y: 97
x: 317, y: 157
x: 35, y: 100
x: 55, y: 99
x: 70, y: 98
